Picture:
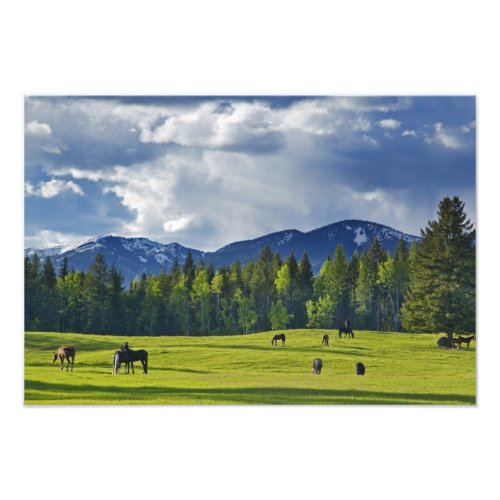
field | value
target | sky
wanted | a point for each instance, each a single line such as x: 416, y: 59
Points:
x: 207, y: 171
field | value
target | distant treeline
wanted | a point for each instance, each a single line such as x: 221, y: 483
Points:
x: 427, y: 287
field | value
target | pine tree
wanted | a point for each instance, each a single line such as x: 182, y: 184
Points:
x: 442, y: 292
x: 49, y: 314
x: 96, y: 292
x: 305, y: 281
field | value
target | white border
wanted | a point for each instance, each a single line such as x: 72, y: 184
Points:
x: 222, y: 47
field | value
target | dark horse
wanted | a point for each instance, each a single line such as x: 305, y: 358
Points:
x: 463, y: 340
x: 65, y: 353
x: 131, y: 356
x: 326, y: 340
x: 281, y: 337
x: 317, y: 366
x: 118, y: 359
x: 346, y: 330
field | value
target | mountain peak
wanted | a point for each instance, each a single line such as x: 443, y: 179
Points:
x: 136, y: 255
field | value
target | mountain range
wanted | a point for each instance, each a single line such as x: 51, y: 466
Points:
x: 134, y: 256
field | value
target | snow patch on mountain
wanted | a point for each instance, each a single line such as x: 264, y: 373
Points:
x: 360, y: 237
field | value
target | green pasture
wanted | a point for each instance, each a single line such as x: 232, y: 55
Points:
x: 246, y: 369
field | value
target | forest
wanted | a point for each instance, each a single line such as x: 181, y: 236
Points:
x: 426, y: 287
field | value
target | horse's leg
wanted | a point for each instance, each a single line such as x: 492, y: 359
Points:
x: 132, y: 364
x: 62, y: 362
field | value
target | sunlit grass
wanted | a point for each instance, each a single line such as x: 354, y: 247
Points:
x: 246, y: 369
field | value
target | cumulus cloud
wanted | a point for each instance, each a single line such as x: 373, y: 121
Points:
x: 389, y: 123
x: 52, y: 188
x: 206, y: 172
x: 36, y: 128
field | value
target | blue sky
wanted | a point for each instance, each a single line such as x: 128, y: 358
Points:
x: 206, y: 171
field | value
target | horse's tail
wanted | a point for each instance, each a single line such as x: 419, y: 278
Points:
x: 116, y: 364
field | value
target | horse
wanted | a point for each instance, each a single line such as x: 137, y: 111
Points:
x: 131, y: 356
x: 346, y: 330
x: 65, y: 353
x: 360, y: 369
x: 325, y: 342
x: 466, y: 340
x: 281, y: 337
x: 118, y: 359
x: 317, y: 365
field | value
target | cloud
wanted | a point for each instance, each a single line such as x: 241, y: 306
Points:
x: 409, y: 133
x: 36, y: 128
x: 209, y: 171
x: 389, y: 123
x: 52, y: 188
x: 445, y: 137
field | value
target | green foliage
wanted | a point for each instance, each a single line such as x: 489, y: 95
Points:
x: 443, y: 287
x: 428, y: 287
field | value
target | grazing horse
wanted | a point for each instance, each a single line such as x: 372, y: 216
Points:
x: 118, y: 359
x: 326, y: 340
x: 360, y: 369
x: 281, y: 337
x: 317, y: 365
x: 346, y: 330
x: 131, y: 356
x: 466, y: 340
x: 65, y: 353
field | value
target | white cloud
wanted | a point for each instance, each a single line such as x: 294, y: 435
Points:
x: 36, y: 128
x: 362, y: 124
x: 389, y: 123
x: 409, y: 133
x: 177, y: 224
x: 52, y: 150
x: 445, y: 137
x: 52, y: 188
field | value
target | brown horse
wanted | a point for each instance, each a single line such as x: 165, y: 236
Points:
x: 326, y: 340
x: 463, y: 340
x: 65, y: 353
x: 281, y: 337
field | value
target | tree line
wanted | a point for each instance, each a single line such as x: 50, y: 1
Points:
x: 428, y: 286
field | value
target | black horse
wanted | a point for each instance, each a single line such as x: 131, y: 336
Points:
x: 347, y: 331
x: 317, y: 365
x: 118, y: 359
x: 131, y: 356
x: 281, y: 337
x: 326, y: 340
x: 360, y: 369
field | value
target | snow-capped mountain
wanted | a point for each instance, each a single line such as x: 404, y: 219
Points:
x: 134, y: 256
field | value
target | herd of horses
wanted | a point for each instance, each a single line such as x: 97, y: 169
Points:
x: 124, y: 355
x: 127, y: 356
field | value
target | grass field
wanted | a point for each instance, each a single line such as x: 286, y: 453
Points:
x: 246, y: 369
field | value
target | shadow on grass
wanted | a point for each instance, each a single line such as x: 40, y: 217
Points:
x: 313, y: 349
x: 110, y: 394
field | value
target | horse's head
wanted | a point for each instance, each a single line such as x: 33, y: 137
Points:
x: 54, y: 357
x: 125, y: 346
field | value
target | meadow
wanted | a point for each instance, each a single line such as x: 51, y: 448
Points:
x: 248, y: 370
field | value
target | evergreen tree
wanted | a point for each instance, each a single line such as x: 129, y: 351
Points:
x: 97, y: 292
x: 305, y: 281
x: 442, y: 292
x: 115, y: 310
x: 49, y: 315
